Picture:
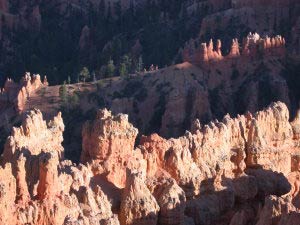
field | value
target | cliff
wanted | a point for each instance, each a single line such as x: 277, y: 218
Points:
x: 238, y: 171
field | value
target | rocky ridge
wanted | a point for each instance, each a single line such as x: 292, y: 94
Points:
x: 253, y: 47
x: 242, y: 170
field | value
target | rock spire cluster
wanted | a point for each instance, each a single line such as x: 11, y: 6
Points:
x: 18, y: 93
x: 242, y: 170
x: 253, y: 46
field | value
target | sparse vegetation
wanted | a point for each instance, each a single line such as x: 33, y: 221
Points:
x: 68, y: 100
x: 63, y: 93
x: 110, y: 69
x: 84, y: 74
x: 42, y: 92
x: 135, y: 89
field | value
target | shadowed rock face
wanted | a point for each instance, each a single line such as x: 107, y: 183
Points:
x: 240, y: 171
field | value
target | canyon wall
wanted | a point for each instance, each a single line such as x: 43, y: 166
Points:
x: 238, y: 171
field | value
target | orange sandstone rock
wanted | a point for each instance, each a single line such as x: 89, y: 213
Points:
x: 227, y: 172
x: 35, y: 136
x: 138, y: 206
x: 253, y: 47
x: 109, y: 140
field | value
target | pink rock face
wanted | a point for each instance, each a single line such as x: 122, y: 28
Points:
x: 275, y: 207
x: 22, y: 190
x: 229, y: 172
x: 170, y: 198
x: 7, y: 195
x: 253, y: 45
x: 18, y: 93
x: 48, y: 183
x: 37, y: 187
x: 35, y: 136
x: 109, y: 139
x: 270, y: 146
x: 138, y: 206
x: 234, y: 50
x: 154, y: 148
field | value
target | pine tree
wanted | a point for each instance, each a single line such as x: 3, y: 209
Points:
x: 63, y: 93
x: 110, y: 69
x: 84, y: 74
x: 74, y: 100
x: 126, y: 59
x: 140, y: 64
x: 123, y: 70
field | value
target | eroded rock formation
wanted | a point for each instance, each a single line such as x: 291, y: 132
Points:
x: 110, y: 139
x: 16, y: 94
x: 239, y: 171
x: 253, y: 47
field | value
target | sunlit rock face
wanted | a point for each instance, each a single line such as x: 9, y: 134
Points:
x: 253, y: 47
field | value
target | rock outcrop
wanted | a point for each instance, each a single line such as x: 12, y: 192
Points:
x: 253, y: 47
x: 110, y: 139
x: 35, y: 136
x: 138, y: 206
x: 242, y: 170
x: 17, y: 94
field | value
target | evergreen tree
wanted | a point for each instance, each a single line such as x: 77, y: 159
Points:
x: 74, y: 100
x: 84, y: 74
x: 140, y: 64
x: 110, y: 69
x: 123, y: 70
x: 128, y: 63
x: 63, y: 93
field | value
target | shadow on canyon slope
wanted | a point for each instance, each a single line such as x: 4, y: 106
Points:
x: 256, y: 91
x: 167, y: 102
x: 217, y: 203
